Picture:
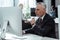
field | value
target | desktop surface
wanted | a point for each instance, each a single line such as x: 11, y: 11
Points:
x: 10, y: 36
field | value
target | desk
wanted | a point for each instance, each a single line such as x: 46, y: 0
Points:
x: 35, y: 37
x: 10, y: 36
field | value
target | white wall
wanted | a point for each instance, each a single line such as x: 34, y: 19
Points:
x: 48, y: 5
x: 59, y: 19
x: 57, y: 2
x: 6, y: 3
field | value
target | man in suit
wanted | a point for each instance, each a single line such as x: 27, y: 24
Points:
x: 45, y: 25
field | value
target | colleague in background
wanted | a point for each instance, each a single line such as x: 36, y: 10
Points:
x: 52, y: 12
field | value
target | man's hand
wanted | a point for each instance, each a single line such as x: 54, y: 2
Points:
x: 23, y: 32
x: 32, y: 21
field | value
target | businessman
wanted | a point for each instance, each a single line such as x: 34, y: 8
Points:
x: 45, y: 25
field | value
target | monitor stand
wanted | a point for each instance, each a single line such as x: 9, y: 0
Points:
x: 3, y: 29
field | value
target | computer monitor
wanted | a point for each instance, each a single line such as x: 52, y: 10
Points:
x: 33, y: 12
x: 12, y: 18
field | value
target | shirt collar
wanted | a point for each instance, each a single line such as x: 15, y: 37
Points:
x: 42, y: 17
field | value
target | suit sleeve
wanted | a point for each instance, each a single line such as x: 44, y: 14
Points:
x: 25, y: 25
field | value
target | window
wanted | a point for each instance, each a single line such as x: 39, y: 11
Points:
x: 6, y: 3
x: 27, y: 3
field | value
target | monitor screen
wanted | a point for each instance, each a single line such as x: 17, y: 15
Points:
x: 13, y: 19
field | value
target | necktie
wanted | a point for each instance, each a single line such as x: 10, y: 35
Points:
x: 39, y: 23
x: 40, y: 20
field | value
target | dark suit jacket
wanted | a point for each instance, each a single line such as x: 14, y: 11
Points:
x: 46, y: 29
x: 25, y: 25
